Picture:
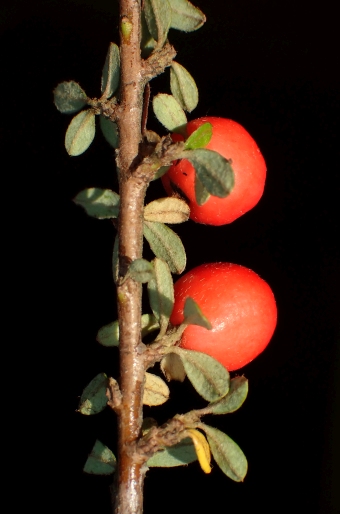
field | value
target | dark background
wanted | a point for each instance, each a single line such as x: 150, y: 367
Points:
x: 273, y: 67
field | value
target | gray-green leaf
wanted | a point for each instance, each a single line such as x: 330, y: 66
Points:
x: 141, y: 270
x: 108, y: 335
x: 166, y: 245
x: 98, y: 203
x: 233, y: 400
x: 101, y: 460
x: 185, y: 16
x: 158, y: 18
x: 161, y: 294
x: 201, y: 194
x: 168, y: 112
x: 80, y: 133
x: 69, y: 97
x: 110, y: 131
x: 183, y: 87
x: 207, y: 375
x: 213, y: 170
x: 193, y: 314
x: 93, y: 399
x: 227, y: 454
x: 177, y: 455
x: 111, y: 72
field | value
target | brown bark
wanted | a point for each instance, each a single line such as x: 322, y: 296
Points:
x: 129, y: 499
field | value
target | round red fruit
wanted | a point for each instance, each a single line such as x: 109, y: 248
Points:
x: 234, y: 143
x: 239, y: 305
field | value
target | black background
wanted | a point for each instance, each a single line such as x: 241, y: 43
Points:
x: 273, y: 67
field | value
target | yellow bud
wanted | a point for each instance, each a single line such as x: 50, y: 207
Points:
x: 126, y: 28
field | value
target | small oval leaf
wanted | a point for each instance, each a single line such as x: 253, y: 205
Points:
x: 213, y: 170
x: 94, y: 400
x: 168, y: 112
x: 109, y: 130
x: 227, y: 454
x: 101, y: 460
x: 156, y: 392
x: 199, y: 138
x: 233, y: 400
x: 183, y: 87
x: 202, y: 449
x: 193, y: 314
x: 185, y: 16
x: 201, y: 194
x: 80, y: 133
x: 161, y: 294
x: 111, y: 72
x: 158, y: 18
x: 172, y: 367
x: 109, y: 334
x: 147, y: 43
x: 167, y: 210
x: 69, y: 97
x: 180, y: 454
x: 166, y: 245
x: 141, y: 270
x: 162, y: 171
x: 98, y: 203
x: 207, y: 375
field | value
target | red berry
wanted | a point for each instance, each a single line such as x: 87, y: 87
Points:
x: 239, y: 305
x: 233, y: 142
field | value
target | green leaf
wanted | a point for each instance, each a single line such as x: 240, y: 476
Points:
x: 141, y: 270
x: 207, y: 375
x: 69, y: 97
x: 147, y: 41
x: 227, y: 454
x: 98, y: 203
x: 158, y: 18
x: 109, y: 130
x: 156, y: 392
x: 213, y: 170
x: 172, y: 367
x: 185, y: 16
x: 183, y: 87
x: 80, y: 133
x: 109, y: 334
x: 233, y: 400
x: 93, y: 399
x: 178, y: 455
x: 111, y: 72
x: 200, y: 137
x: 161, y: 294
x: 162, y: 171
x: 193, y: 314
x: 166, y: 245
x: 201, y: 194
x: 101, y: 460
x: 167, y: 210
x: 168, y: 112
x: 115, y: 260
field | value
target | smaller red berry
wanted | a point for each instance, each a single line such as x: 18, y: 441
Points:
x: 234, y: 143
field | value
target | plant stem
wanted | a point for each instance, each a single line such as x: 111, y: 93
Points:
x: 129, y: 498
